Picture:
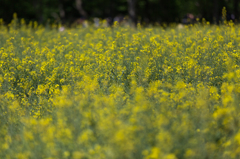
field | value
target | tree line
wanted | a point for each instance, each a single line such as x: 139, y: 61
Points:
x: 145, y: 11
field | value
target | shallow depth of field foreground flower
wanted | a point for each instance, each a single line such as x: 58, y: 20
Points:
x: 120, y: 93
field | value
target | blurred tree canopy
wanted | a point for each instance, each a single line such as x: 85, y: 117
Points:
x: 148, y: 11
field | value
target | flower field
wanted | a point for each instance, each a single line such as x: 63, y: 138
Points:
x: 120, y: 93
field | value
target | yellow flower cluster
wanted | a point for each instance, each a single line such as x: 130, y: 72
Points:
x: 149, y: 93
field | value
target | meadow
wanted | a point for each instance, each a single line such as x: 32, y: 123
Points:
x: 119, y: 92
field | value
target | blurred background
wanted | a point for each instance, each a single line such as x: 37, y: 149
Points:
x: 144, y: 11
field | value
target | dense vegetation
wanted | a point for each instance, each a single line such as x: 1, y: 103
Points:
x: 120, y: 92
x: 144, y: 10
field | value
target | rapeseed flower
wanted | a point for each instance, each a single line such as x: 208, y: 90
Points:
x: 119, y: 92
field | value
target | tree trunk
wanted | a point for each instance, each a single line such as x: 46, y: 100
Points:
x: 62, y: 12
x: 38, y: 10
x: 80, y: 8
x: 132, y: 11
x: 147, y: 14
x: 236, y: 10
x: 215, y: 12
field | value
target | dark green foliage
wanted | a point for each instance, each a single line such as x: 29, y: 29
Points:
x: 147, y: 11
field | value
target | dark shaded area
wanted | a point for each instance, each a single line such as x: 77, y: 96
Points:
x: 144, y: 11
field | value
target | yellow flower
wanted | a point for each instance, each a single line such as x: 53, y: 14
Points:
x: 155, y: 153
